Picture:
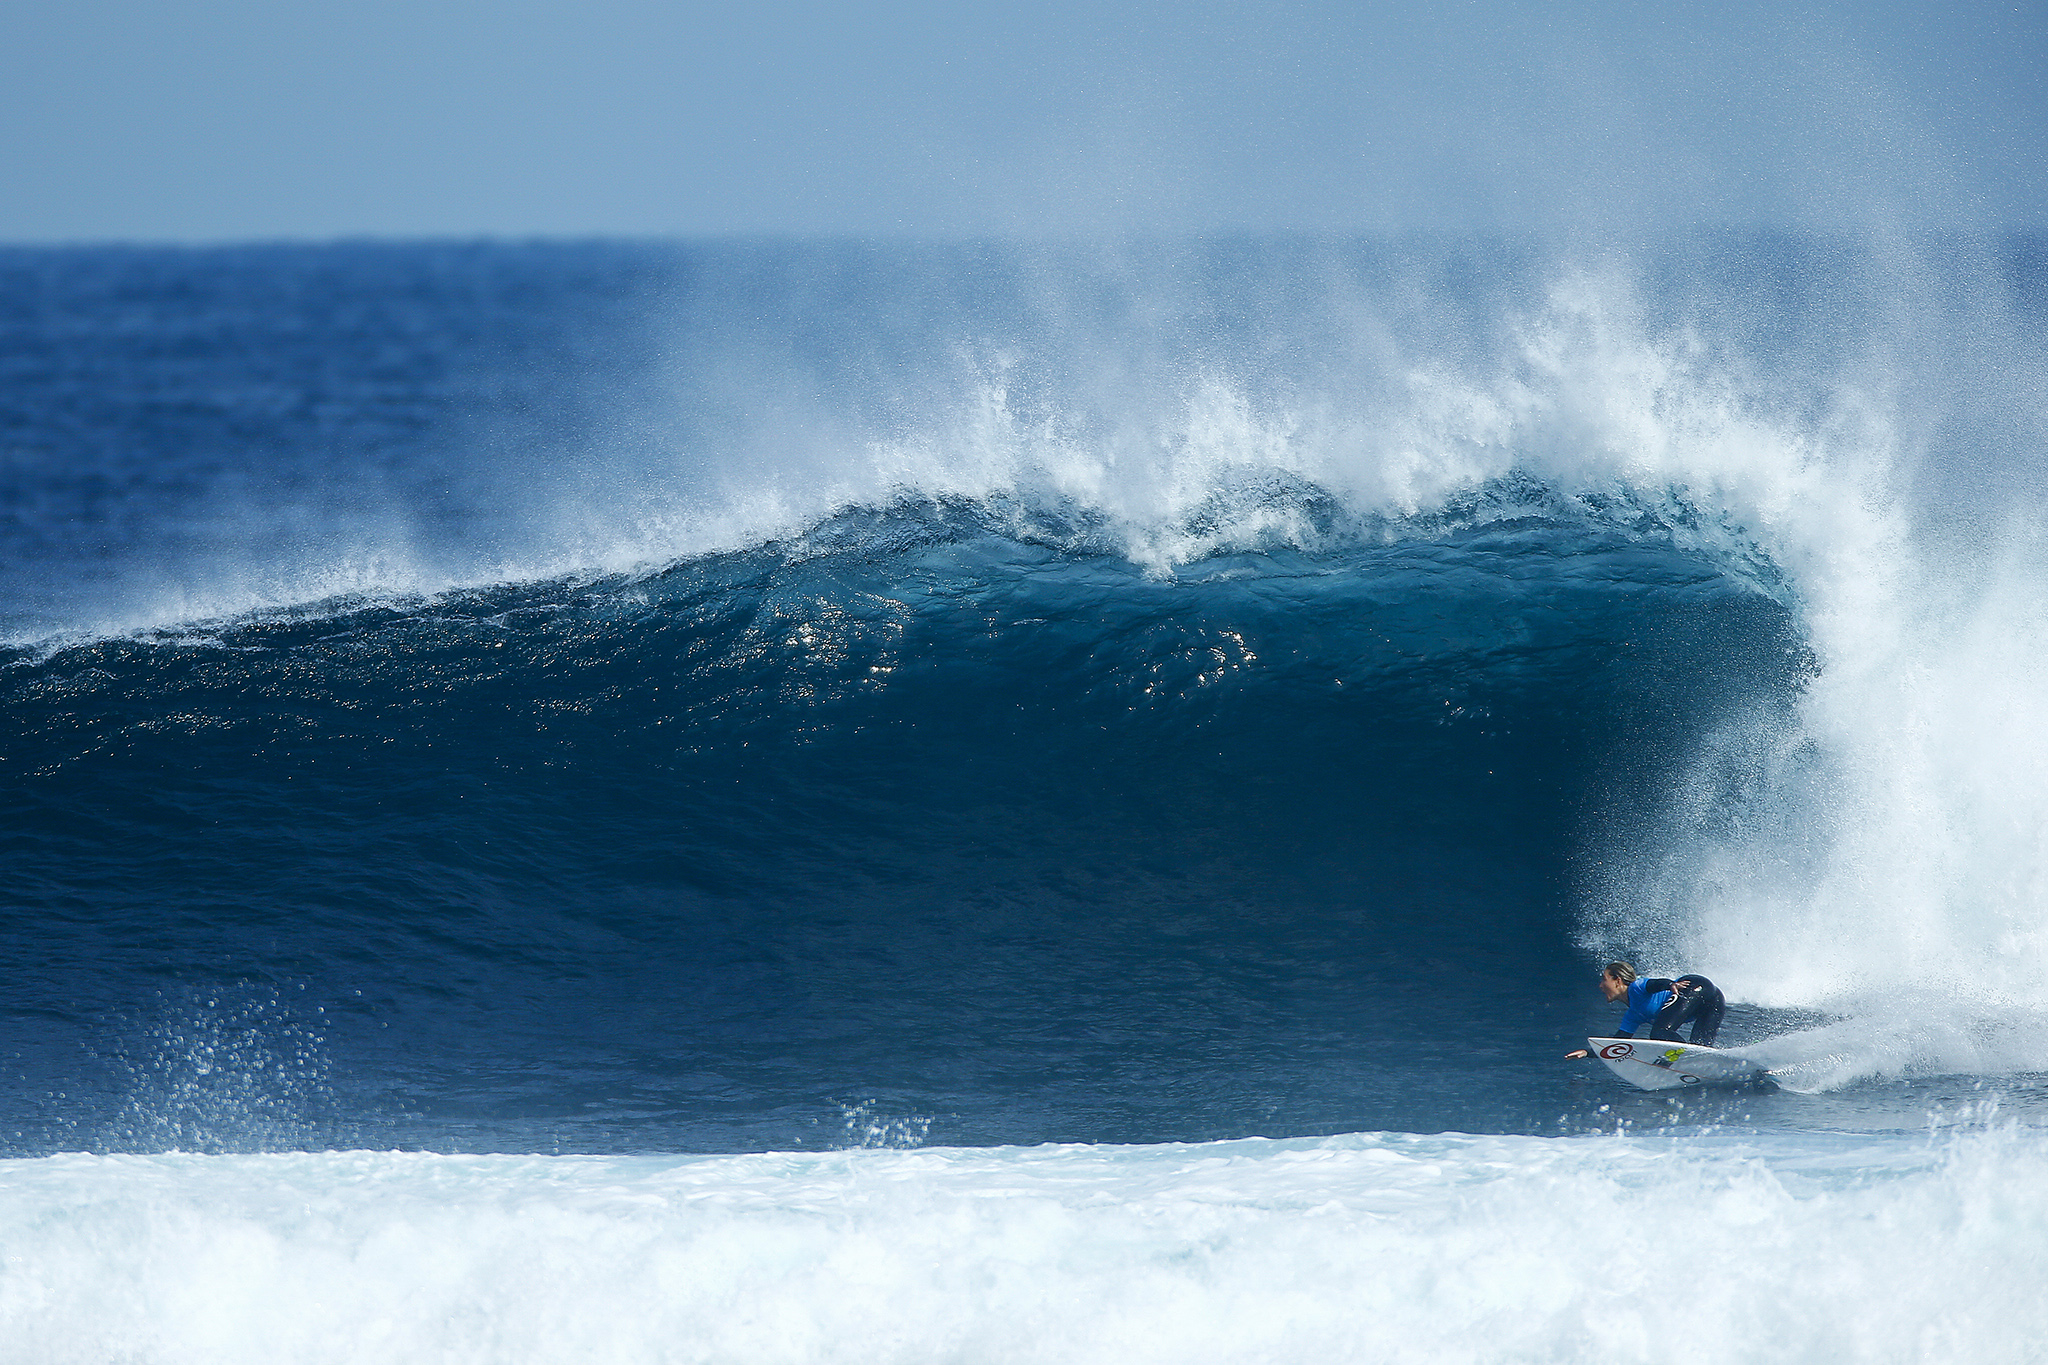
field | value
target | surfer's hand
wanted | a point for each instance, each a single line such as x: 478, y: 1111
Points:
x: 1582, y: 1052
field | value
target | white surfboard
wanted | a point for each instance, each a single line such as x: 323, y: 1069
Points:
x: 1655, y: 1064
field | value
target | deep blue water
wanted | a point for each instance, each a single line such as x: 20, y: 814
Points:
x: 458, y: 697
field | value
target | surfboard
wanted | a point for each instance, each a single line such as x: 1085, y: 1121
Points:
x: 1655, y: 1064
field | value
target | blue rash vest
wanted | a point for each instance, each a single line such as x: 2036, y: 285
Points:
x: 1643, y: 1004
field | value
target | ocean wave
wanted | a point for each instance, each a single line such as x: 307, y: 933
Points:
x: 764, y: 801
x: 534, y: 639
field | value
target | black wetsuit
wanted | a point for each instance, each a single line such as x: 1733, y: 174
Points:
x: 1693, y: 998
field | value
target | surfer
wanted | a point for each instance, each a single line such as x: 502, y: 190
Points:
x: 1662, y: 1004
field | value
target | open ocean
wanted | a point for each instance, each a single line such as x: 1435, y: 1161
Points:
x: 862, y: 801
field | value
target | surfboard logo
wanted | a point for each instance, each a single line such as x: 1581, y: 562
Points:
x: 1674, y: 1054
x: 1617, y: 1050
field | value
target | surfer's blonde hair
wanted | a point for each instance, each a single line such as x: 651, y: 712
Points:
x: 1622, y: 972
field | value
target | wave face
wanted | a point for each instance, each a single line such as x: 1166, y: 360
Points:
x: 733, y: 698
x: 937, y: 816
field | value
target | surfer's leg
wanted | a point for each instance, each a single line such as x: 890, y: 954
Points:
x: 1706, y: 1019
x: 1701, y: 1001
x: 1696, y: 1000
x: 1676, y: 1011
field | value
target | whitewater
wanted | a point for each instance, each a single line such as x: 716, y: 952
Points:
x: 1368, y: 1247
x: 811, y: 801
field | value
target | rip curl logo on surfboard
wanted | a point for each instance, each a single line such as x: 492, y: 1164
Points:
x: 1614, y: 1050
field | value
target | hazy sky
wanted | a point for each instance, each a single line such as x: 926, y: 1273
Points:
x: 233, y: 119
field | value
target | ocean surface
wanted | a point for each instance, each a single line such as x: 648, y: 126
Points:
x: 806, y: 801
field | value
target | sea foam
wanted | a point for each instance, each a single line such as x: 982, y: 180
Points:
x: 1370, y: 1247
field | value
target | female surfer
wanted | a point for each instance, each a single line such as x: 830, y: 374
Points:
x: 1662, y: 1004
